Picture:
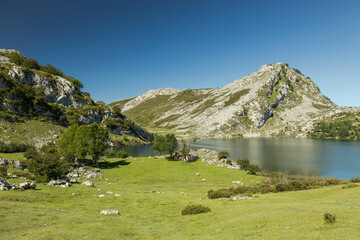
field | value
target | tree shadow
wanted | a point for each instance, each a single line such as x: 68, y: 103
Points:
x: 108, y: 165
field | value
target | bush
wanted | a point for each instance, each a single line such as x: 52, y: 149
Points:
x: 16, y: 58
x: 110, y: 153
x: 122, y: 154
x: 48, y: 166
x: 281, y: 187
x: 243, y: 163
x: 31, y: 63
x: 195, y: 209
x: 27, y: 175
x: 223, y: 155
x: 30, y: 153
x: 355, y: 180
x: 296, y: 185
x: 253, y: 169
x: 350, y: 185
x: 329, y: 218
x: 3, y: 171
x: 13, y: 147
x: 221, y: 193
x: 229, y: 162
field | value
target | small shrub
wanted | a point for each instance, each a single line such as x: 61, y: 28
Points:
x: 243, y: 163
x: 110, y: 153
x: 253, y: 169
x: 329, y: 218
x: 229, y: 162
x: 350, y: 185
x: 355, y: 180
x: 122, y: 154
x: 221, y: 193
x: 281, y: 187
x: 296, y: 186
x: 3, y: 171
x: 48, y: 166
x: 195, y: 209
x: 223, y: 155
x: 24, y: 174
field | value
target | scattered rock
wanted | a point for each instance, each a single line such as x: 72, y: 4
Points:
x: 3, y: 161
x: 61, y: 183
x: 109, y: 212
x: 88, y: 183
x: 241, y: 198
x: 74, y: 194
x: 101, y: 195
x: 18, y: 164
x: 27, y: 185
x: 108, y: 192
x: 4, y: 185
x: 117, y: 195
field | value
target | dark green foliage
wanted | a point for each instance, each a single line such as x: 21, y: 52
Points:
x: 167, y: 144
x: 329, y: 218
x: 48, y: 166
x: 355, y: 180
x: 84, y: 140
x: 282, y: 187
x: 31, y: 63
x: 13, y: 147
x: 122, y: 154
x: 3, y: 171
x: 345, y: 129
x: 253, y: 169
x: 221, y: 193
x: 16, y: 58
x: 30, y: 153
x: 229, y: 162
x: 243, y: 163
x: 110, y: 153
x: 223, y: 155
x: 195, y: 209
x: 52, y: 70
x: 77, y: 84
x: 297, y: 70
x: 184, y: 149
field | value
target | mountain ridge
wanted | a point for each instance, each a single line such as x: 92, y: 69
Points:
x: 275, y: 100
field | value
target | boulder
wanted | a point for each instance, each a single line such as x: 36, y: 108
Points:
x: 27, y: 185
x: 109, y: 212
x: 88, y: 183
x: 57, y: 182
x: 3, y: 161
x: 18, y: 164
x: 4, y: 185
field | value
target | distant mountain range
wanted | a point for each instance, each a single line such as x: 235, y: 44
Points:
x: 276, y: 100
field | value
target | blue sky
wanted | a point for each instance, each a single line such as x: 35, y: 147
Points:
x: 120, y: 49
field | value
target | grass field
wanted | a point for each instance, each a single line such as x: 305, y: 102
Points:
x: 145, y: 214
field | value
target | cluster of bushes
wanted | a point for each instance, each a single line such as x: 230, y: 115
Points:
x: 13, y: 147
x: 266, y: 188
x: 246, y: 166
x: 3, y: 171
x: 346, y: 129
x: 195, y: 209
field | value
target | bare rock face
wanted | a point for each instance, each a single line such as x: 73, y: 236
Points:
x: 276, y: 100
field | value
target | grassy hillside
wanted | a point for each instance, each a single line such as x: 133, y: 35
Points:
x: 145, y: 214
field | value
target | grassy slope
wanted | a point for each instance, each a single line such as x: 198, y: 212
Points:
x: 145, y: 215
x: 28, y: 132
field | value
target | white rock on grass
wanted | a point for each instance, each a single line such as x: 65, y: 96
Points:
x: 101, y: 195
x: 109, y: 212
x: 108, y: 192
x: 4, y: 185
x: 27, y: 185
x: 88, y: 183
x: 117, y: 195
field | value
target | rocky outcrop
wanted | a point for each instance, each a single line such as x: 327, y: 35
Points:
x: 109, y: 212
x: 276, y: 100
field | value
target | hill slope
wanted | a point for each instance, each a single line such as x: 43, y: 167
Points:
x: 31, y: 92
x: 276, y: 100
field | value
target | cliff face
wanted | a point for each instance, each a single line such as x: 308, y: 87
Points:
x: 34, y: 92
x: 276, y: 100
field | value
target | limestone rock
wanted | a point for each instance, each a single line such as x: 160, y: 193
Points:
x: 88, y: 183
x: 4, y: 185
x: 27, y: 185
x: 109, y: 212
x: 3, y: 161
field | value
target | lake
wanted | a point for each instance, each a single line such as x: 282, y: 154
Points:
x: 328, y: 158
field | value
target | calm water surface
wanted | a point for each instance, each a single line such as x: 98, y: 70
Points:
x: 328, y: 158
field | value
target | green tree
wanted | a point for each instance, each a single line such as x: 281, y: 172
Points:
x: 85, y: 140
x: 223, y: 154
x: 167, y: 144
x: 243, y: 163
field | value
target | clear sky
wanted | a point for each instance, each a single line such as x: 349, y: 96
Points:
x: 123, y: 48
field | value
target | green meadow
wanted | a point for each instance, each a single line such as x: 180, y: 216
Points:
x: 153, y: 193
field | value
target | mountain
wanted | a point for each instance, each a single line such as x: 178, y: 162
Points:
x: 51, y: 101
x: 276, y: 100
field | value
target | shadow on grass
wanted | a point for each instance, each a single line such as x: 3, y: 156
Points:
x: 108, y: 165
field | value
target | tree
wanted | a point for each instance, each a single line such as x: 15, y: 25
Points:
x: 167, y: 144
x: 184, y: 150
x: 243, y: 163
x: 16, y: 58
x: 31, y: 63
x: 253, y: 169
x: 85, y: 140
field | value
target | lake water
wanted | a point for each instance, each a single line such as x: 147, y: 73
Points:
x: 328, y: 158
